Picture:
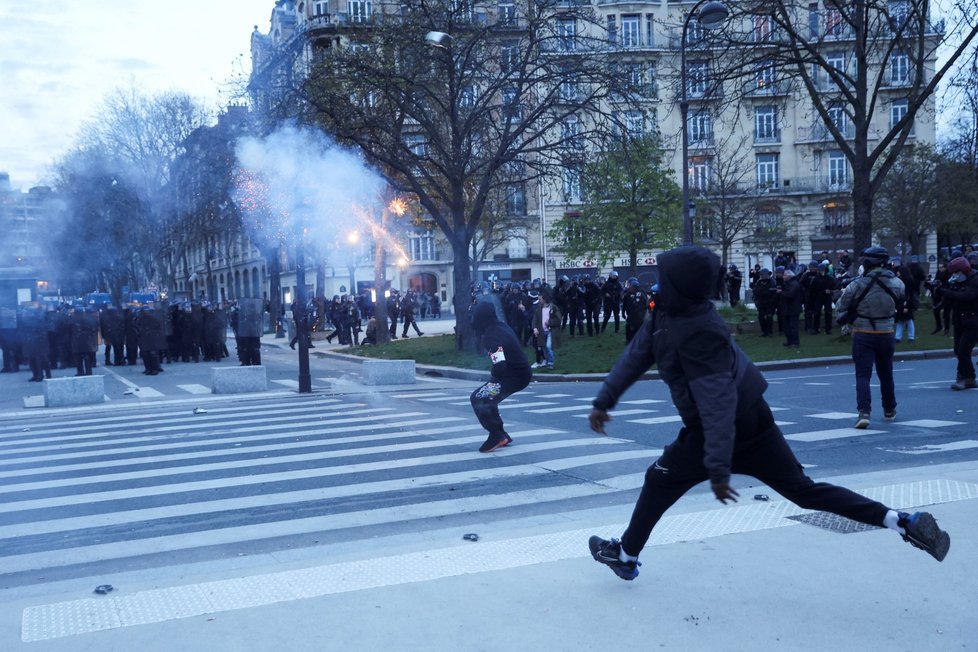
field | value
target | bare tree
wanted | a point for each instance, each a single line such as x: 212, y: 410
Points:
x: 868, y: 68
x: 518, y: 90
x: 909, y: 199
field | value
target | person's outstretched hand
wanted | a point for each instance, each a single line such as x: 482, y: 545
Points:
x: 597, y: 419
x: 724, y: 492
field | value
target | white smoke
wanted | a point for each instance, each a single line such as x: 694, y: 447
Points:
x: 307, y: 184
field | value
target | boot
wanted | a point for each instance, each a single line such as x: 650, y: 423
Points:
x: 964, y: 383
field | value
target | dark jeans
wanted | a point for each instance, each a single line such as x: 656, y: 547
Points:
x: 609, y: 310
x: 965, y: 336
x: 485, y: 403
x: 789, y: 323
x: 760, y: 451
x: 869, y: 349
x: 766, y: 318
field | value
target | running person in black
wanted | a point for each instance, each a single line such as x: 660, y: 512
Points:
x: 727, y: 424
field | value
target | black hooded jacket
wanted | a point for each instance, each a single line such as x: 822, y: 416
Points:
x: 709, y: 377
x: 513, y: 373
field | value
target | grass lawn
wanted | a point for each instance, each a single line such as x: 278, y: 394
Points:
x: 598, y: 354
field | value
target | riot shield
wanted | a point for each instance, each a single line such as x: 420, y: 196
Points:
x: 250, y: 317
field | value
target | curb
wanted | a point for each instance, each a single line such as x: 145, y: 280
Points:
x: 771, y: 365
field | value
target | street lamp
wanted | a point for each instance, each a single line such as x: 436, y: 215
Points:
x: 302, y: 318
x: 712, y: 15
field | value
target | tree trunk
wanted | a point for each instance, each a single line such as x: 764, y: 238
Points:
x: 380, y: 284
x: 862, y: 213
x: 462, y: 276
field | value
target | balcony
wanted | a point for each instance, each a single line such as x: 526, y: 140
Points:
x: 795, y: 185
x: 769, y: 89
x: 767, y: 137
x: 821, y: 134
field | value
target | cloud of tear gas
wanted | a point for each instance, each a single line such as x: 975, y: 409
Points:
x: 296, y: 181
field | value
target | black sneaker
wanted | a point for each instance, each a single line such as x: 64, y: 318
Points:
x: 606, y: 552
x: 495, y: 442
x: 863, y: 421
x: 889, y: 415
x: 924, y: 533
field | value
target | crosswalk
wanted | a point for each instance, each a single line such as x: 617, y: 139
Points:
x: 85, y: 494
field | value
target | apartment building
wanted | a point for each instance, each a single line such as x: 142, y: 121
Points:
x: 757, y: 140
x: 27, y: 221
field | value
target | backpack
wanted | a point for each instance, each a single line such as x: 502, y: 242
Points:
x: 849, y: 316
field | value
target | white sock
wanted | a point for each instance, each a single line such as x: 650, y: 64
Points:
x: 891, y: 520
x: 624, y: 556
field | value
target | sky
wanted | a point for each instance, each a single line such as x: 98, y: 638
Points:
x: 59, y: 59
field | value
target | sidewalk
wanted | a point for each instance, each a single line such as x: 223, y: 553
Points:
x: 738, y: 577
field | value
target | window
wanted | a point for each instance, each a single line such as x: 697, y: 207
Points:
x: 571, y: 178
x: 700, y: 172
x: 700, y: 126
x: 360, y: 10
x: 766, y: 125
x: 898, y: 109
x: 631, y: 36
x: 509, y: 57
x: 570, y: 132
x: 705, y: 225
x: 515, y: 199
x: 836, y: 217
x: 834, y: 24
x: 899, y: 69
x: 422, y: 246
x: 466, y: 98
x: 567, y: 34
x: 813, y: 21
x: 838, y: 170
x: 769, y: 220
x: 320, y: 9
x: 765, y: 77
x: 507, y: 12
x: 612, y: 30
x: 638, y: 78
x: 694, y: 34
x: 767, y: 170
x: 838, y: 117
x: 899, y: 13
x: 650, y: 29
x: 762, y: 29
x: 569, y: 88
x: 698, y: 78
x: 417, y: 144
x: 634, y: 123
x: 511, y: 104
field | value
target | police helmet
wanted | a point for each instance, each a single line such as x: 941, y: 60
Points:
x: 633, y: 282
x: 612, y: 274
x: 764, y: 271
x: 874, y: 257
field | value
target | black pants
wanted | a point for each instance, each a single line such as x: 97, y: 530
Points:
x: 485, y: 403
x: 84, y: 363
x: 766, y: 317
x: 760, y: 451
x: 611, y: 308
x: 789, y: 324
x: 965, y: 337
x: 410, y: 323
x: 249, y: 351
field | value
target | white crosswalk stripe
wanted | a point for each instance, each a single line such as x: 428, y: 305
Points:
x: 194, y: 388
x: 76, y: 492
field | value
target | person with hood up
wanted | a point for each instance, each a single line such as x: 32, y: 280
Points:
x: 727, y: 426
x: 962, y: 292
x: 510, y: 373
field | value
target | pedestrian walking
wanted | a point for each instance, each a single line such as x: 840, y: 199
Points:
x: 546, y: 329
x: 510, y: 373
x: 869, y: 304
x: 727, y: 424
x: 963, y: 295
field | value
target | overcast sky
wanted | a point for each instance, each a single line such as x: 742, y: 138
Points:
x: 58, y: 60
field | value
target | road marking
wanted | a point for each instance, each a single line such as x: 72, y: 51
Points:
x: 820, y: 384
x: 515, y: 405
x: 840, y: 433
x: 147, y: 392
x: 643, y: 401
x: 552, y: 395
x: 75, y: 617
x: 294, y: 384
x: 936, y: 448
x: 194, y: 388
x: 418, y: 395
x: 429, y: 379
x: 562, y: 408
x: 654, y: 420
x: 930, y: 423
x: 620, y: 413
x: 834, y: 415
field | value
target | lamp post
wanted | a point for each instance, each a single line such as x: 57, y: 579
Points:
x: 302, y: 318
x: 712, y: 15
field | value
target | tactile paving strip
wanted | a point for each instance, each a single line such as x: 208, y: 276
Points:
x: 76, y: 617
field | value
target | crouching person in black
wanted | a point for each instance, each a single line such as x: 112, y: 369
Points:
x: 510, y: 373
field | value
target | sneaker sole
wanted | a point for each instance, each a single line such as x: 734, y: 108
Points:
x: 862, y: 425
x: 624, y: 574
x: 497, y: 446
x: 928, y: 529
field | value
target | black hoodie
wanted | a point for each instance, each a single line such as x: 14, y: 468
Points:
x: 513, y: 373
x: 709, y: 377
